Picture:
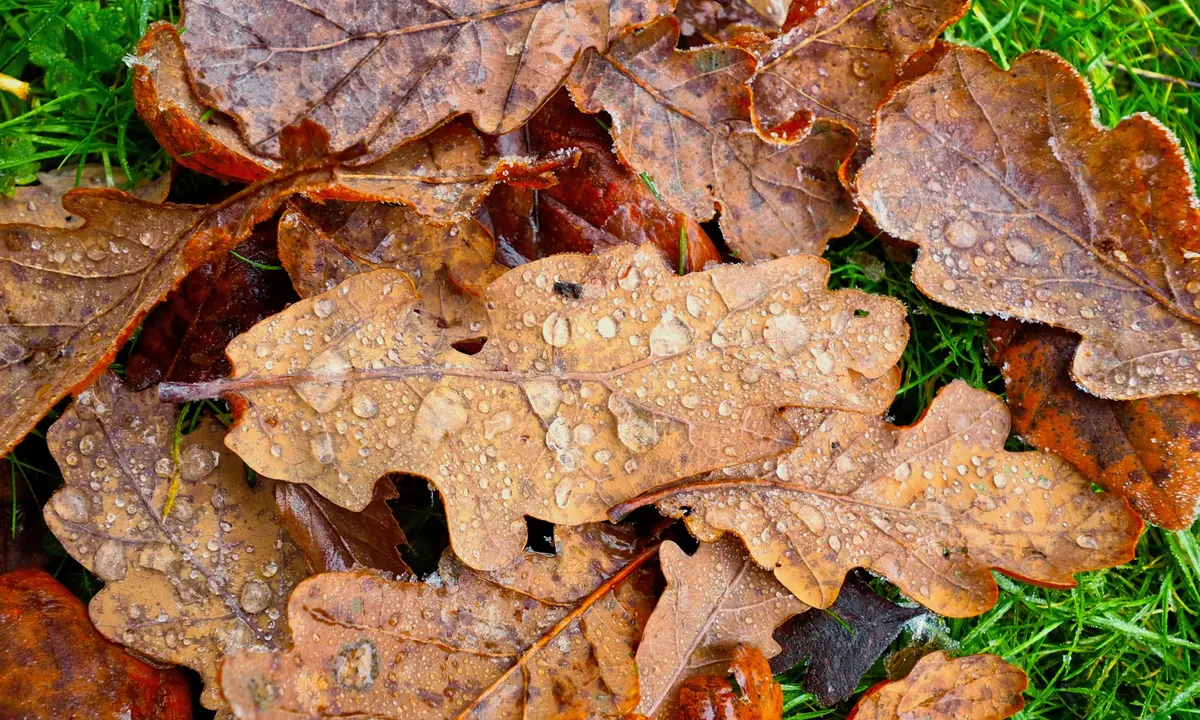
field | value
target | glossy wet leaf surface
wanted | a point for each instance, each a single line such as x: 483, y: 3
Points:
x: 976, y: 687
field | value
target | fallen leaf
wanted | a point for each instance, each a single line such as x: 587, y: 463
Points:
x: 976, y: 687
x: 715, y: 601
x: 932, y: 507
x: 1147, y: 450
x: 41, y: 204
x: 838, y: 59
x: 184, y: 338
x: 21, y: 526
x: 757, y: 697
x: 718, y: 20
x: 600, y: 377
x: 57, y: 667
x: 683, y: 117
x: 1024, y: 207
x: 334, y: 539
x: 594, y: 205
x: 384, y: 75
x: 842, y: 642
x: 464, y: 644
x: 209, y: 579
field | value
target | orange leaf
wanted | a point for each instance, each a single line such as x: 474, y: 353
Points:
x: 758, y: 696
x: 976, y: 687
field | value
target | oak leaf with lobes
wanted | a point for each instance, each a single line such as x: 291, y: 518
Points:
x: 1022, y: 206
x: 975, y: 687
x: 932, y: 507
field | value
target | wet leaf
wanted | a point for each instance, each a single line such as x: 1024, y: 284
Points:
x: 595, y: 205
x: 976, y: 687
x: 1147, y: 450
x: 209, y: 579
x: 57, y: 666
x: 184, y: 338
x: 1024, y: 207
x: 390, y: 73
x: 711, y: 697
x: 601, y: 376
x: 683, y: 117
x: 335, y: 539
x: 842, y: 642
x: 715, y: 601
x: 932, y: 507
x: 41, y: 204
x: 717, y: 20
x: 549, y: 637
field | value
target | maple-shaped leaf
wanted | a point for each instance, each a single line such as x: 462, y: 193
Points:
x: 842, y: 642
x: 718, y: 20
x: 837, y: 59
x: 392, y: 72
x: 56, y: 666
x: 715, y: 601
x: 600, y: 377
x: 975, y: 687
x: 443, y: 175
x: 1147, y: 450
x: 184, y: 338
x: 208, y: 579
x: 594, y: 205
x: 932, y: 507
x: 335, y: 539
x: 712, y: 697
x: 683, y: 117
x: 41, y: 204
x: 548, y: 637
x: 1023, y: 206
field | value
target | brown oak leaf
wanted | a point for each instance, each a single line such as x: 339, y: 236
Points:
x: 1147, y: 450
x: 715, y: 601
x: 683, y: 117
x: 41, y: 204
x: 57, y: 667
x: 975, y: 687
x: 932, y: 507
x: 393, y: 72
x: 334, y: 539
x: 601, y: 376
x: 209, y: 579
x: 1023, y: 206
x: 549, y: 637
x: 718, y: 20
x: 711, y: 697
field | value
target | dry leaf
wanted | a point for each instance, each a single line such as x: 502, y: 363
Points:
x: 335, y: 539
x: 389, y: 73
x: 42, y: 204
x: 976, y: 687
x: 1147, y: 450
x: 757, y: 697
x: 209, y: 579
x: 683, y: 117
x: 837, y: 59
x: 601, y: 376
x: 549, y: 638
x: 932, y: 507
x: 1023, y: 206
x: 718, y: 20
x: 715, y: 601
x: 57, y: 667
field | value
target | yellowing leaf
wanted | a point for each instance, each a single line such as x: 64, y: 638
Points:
x: 976, y: 687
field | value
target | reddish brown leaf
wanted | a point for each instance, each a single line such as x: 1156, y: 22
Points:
x: 1147, y: 450
x: 684, y: 118
x: 1023, y: 206
x: 976, y: 687
x: 41, y: 204
x: 717, y: 20
x: 757, y: 697
x: 55, y: 666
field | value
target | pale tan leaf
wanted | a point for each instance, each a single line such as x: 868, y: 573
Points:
x: 975, y: 687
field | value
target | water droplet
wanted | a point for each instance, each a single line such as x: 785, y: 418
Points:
x: 196, y: 462
x: 443, y: 412
x: 607, y: 327
x: 1088, y: 542
x: 1020, y: 249
x: 324, y: 307
x: 669, y: 337
x: 109, y: 561
x: 321, y: 447
x: 556, y: 330
x: 364, y: 406
x: 70, y: 505
x: 255, y: 596
x: 635, y: 427
x: 562, y: 492
x: 962, y: 234
x: 544, y: 397
x: 324, y: 396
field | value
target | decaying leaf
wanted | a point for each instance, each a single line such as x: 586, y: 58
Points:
x: 1024, y: 206
x: 715, y: 601
x: 594, y: 205
x: 932, y: 507
x: 1147, y: 450
x: 334, y: 539
x: 209, y: 579
x: 837, y: 59
x: 711, y: 697
x: 717, y: 20
x: 389, y: 73
x: 57, y: 667
x: 41, y: 204
x: 976, y: 687
x: 549, y: 637
x: 842, y: 642
x: 684, y: 118
x: 601, y: 376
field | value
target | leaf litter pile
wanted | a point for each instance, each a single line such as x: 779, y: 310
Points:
x: 470, y: 253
